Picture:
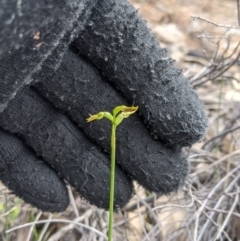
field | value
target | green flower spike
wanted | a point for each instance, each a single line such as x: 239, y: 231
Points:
x: 119, y: 113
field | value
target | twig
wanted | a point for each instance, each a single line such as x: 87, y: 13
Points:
x: 228, y: 126
x: 176, y: 205
x: 213, y: 23
x: 222, y: 134
x: 199, y: 237
x: 154, y: 216
x: 132, y: 207
x: 217, y: 205
x: 8, y: 212
x: 72, y: 201
x: 123, y: 222
x: 235, y: 153
x: 227, y: 218
x: 142, y: 223
x: 92, y: 234
x: 32, y: 227
x: 216, y: 210
x: 57, y: 221
x: 212, y: 37
x: 102, y: 221
x: 238, y: 9
x: 45, y: 227
x: 217, y: 66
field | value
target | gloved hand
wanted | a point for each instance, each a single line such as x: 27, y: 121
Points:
x: 44, y: 137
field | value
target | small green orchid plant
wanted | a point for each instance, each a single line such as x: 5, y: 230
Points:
x: 119, y: 113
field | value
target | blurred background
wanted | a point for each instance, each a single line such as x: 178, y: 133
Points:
x: 203, y: 37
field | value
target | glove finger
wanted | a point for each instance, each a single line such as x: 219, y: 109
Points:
x: 30, y: 178
x: 30, y: 33
x: 54, y: 137
x: 118, y: 42
x: 77, y: 88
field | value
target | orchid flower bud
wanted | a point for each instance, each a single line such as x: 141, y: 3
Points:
x: 125, y: 113
x: 99, y: 116
x: 124, y: 109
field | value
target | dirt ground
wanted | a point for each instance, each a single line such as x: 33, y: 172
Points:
x: 172, y: 22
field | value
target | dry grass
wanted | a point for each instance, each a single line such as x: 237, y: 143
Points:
x: 208, y: 206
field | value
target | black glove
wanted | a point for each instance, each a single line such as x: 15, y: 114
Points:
x: 48, y: 119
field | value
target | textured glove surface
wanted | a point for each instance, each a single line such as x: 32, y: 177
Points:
x: 129, y: 56
x: 30, y: 178
x: 50, y: 118
x: 30, y: 32
x: 152, y: 164
x: 63, y: 147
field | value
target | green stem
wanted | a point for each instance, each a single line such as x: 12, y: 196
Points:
x: 119, y: 113
x: 111, y: 201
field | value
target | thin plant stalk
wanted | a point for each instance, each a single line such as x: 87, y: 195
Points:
x: 112, y: 181
x: 119, y: 113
